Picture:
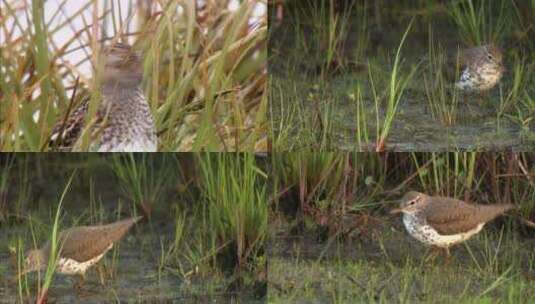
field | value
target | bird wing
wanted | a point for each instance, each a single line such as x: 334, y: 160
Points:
x: 455, y: 65
x: 66, y: 131
x: 464, y: 56
x: 451, y: 216
x: 86, y: 242
x: 470, y: 55
x: 65, y: 135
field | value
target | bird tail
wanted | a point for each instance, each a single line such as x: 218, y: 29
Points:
x: 497, y: 210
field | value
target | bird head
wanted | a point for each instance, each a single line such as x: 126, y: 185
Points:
x: 122, y: 65
x: 495, y: 55
x: 410, y: 203
x: 35, y: 260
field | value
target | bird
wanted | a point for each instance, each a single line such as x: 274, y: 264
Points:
x: 442, y: 221
x: 481, y: 68
x: 79, y: 248
x: 124, y: 121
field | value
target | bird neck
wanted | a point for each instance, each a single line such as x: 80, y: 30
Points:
x: 121, y: 89
x: 414, y: 215
x: 43, y: 257
x: 41, y: 260
x: 109, y: 87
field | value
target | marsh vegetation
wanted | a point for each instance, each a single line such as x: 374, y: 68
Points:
x: 201, y: 239
x: 371, y: 75
x: 204, y: 69
x: 332, y: 238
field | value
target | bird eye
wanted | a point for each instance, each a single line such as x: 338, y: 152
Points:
x: 489, y: 56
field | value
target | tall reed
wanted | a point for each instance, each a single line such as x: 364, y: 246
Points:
x: 235, y: 191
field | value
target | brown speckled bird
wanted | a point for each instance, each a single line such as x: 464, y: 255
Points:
x: 443, y: 221
x: 123, y: 121
x: 79, y: 247
x: 480, y: 68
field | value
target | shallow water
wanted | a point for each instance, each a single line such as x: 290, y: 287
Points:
x: 414, y: 128
x: 133, y: 270
x: 135, y: 276
x: 384, y: 263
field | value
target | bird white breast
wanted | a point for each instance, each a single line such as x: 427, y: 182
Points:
x: 130, y: 127
x: 139, y: 144
x: 484, y: 79
x: 70, y: 266
x: 491, y: 80
x: 137, y: 138
x: 465, y: 81
x: 426, y: 234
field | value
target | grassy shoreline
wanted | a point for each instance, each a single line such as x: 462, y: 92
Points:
x: 344, y: 101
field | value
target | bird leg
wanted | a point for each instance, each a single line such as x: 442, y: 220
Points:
x: 482, y: 97
x: 471, y: 110
x: 468, y: 104
x: 448, y: 255
x: 78, y: 284
x: 83, y: 291
x: 480, y: 100
x: 465, y: 101
x: 434, y: 252
x: 101, y: 274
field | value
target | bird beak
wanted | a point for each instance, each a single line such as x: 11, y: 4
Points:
x: 396, y: 210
